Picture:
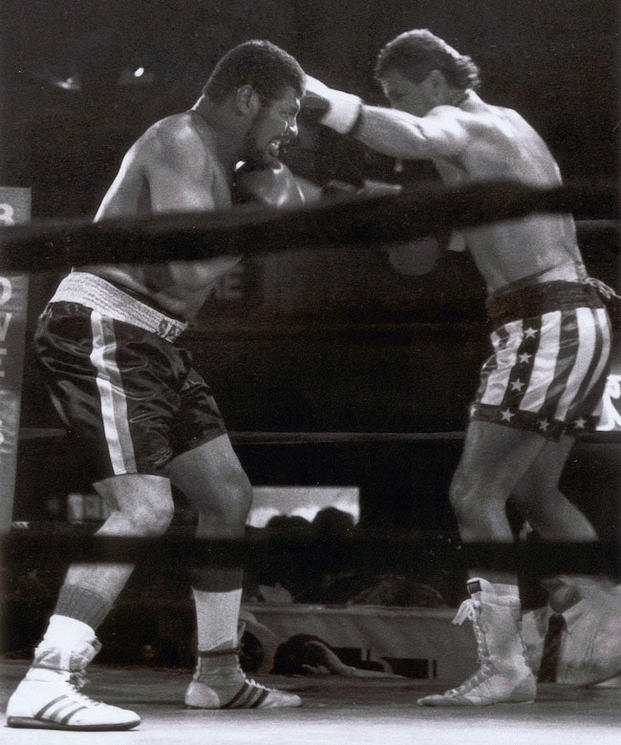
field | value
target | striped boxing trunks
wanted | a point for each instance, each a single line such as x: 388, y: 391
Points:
x: 550, y: 361
x: 122, y: 385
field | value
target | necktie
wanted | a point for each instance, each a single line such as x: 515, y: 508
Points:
x: 551, y: 649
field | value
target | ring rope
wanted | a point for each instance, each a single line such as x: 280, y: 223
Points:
x: 333, y: 437
x: 345, y: 221
x: 342, y: 221
x: 37, y: 542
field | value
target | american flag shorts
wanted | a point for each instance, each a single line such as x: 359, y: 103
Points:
x: 549, y: 363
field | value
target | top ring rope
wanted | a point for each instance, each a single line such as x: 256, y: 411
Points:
x: 344, y: 221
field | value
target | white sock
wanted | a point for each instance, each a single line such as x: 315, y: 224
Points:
x: 217, y: 616
x: 67, y: 632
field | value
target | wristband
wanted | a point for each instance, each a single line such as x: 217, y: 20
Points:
x: 344, y: 112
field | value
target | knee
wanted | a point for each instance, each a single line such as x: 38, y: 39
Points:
x: 471, y: 501
x: 241, y: 499
x: 152, y: 518
x: 229, y: 507
x: 461, y: 496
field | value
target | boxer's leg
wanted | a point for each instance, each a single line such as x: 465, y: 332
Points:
x: 495, y: 458
x: 49, y: 696
x: 213, y: 478
x: 540, y: 501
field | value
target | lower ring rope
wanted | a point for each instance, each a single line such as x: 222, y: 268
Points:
x: 379, y: 552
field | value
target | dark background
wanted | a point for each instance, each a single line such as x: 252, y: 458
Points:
x: 318, y: 340
x: 554, y: 61
x: 321, y: 340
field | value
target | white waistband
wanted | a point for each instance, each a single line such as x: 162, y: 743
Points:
x: 102, y: 296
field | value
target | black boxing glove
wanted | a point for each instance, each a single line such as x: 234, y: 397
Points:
x: 273, y: 185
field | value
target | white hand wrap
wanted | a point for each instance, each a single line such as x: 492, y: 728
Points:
x: 344, y: 108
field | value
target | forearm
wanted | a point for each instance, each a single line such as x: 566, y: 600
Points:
x: 393, y: 134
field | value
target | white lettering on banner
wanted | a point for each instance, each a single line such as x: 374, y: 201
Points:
x: 7, y: 214
x: 5, y: 320
x: 6, y: 290
x: 611, y: 413
x: 14, y: 210
x: 6, y: 293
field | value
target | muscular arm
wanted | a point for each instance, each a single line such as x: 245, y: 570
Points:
x: 169, y: 169
x: 439, y: 134
x: 180, y: 172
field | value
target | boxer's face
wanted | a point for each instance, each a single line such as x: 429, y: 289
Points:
x: 272, y: 128
x: 403, y: 94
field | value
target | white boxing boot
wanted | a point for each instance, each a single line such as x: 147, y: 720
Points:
x: 503, y: 675
x: 49, y: 695
x: 220, y: 683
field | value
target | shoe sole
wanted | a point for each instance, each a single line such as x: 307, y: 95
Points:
x: 31, y: 723
x: 243, y: 708
x: 247, y: 697
x: 473, y: 704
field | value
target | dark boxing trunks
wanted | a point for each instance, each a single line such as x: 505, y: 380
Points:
x: 127, y: 392
x: 550, y: 361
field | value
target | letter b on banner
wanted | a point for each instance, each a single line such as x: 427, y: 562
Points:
x: 14, y: 209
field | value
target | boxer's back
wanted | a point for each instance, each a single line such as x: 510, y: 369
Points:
x: 501, y: 145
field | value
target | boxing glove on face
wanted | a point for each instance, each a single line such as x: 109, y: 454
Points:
x: 273, y: 186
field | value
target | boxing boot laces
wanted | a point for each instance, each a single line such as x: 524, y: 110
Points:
x: 503, y: 675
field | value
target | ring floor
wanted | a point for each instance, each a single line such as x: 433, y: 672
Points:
x: 336, y: 711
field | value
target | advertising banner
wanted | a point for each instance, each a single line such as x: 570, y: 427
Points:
x: 14, y: 209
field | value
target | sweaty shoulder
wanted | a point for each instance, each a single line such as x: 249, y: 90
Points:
x: 500, y: 143
x: 450, y: 130
x: 472, y: 117
x: 177, y: 142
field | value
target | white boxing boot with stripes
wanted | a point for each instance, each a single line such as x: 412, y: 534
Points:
x: 49, y: 695
x: 503, y: 675
x: 220, y: 683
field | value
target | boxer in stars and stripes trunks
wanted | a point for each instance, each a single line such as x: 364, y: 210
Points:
x: 551, y: 339
x: 550, y: 360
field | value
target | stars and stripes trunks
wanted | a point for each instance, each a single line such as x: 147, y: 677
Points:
x: 548, y: 369
x: 123, y: 386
